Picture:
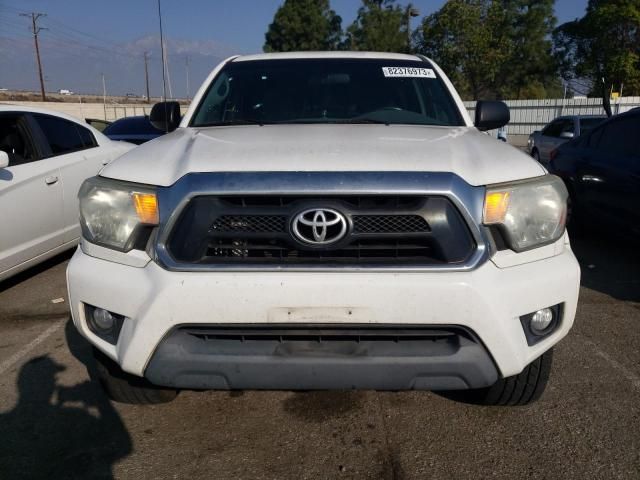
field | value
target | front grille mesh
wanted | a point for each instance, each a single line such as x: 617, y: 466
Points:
x: 250, y: 223
x: 361, y: 224
x: 389, y: 224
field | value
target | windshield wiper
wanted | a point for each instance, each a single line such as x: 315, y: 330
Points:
x: 365, y: 120
x: 243, y: 121
x: 337, y: 121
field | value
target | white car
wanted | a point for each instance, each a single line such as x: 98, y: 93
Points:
x: 325, y: 221
x: 44, y: 158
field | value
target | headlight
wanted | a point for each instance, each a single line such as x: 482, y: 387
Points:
x: 530, y: 213
x: 112, y: 213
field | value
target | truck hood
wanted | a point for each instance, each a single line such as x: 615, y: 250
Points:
x: 474, y: 156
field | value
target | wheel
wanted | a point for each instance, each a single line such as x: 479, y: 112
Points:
x: 521, y: 389
x: 536, y: 155
x: 123, y: 387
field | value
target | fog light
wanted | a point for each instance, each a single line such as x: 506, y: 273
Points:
x: 540, y: 320
x: 540, y: 324
x: 103, y: 319
x: 103, y: 323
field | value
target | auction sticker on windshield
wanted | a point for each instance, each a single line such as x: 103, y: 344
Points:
x: 408, y: 72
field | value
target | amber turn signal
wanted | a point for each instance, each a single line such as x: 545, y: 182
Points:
x: 495, y: 206
x: 146, y: 207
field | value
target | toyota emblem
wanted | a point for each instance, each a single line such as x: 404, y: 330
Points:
x: 319, y: 226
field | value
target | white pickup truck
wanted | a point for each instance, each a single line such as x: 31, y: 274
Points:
x: 325, y: 221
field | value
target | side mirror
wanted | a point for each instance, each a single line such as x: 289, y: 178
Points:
x: 566, y: 135
x: 491, y: 114
x: 165, y: 116
x: 4, y: 159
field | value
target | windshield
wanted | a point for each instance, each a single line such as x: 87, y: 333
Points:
x: 327, y: 91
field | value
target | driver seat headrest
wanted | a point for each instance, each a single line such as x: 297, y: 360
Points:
x: 12, y: 143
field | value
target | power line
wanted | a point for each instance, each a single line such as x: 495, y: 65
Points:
x: 15, y: 29
x: 186, y: 63
x: 83, y: 34
x: 70, y: 34
x: 69, y: 38
x: 35, y: 29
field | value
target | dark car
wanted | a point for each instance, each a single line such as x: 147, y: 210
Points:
x: 97, y: 123
x: 602, y: 172
x: 133, y: 130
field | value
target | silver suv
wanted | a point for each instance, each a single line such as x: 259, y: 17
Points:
x: 542, y: 142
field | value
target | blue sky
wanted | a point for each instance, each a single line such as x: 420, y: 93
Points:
x: 112, y: 34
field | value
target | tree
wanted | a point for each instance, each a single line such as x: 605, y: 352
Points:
x: 300, y: 25
x: 381, y: 26
x: 467, y: 39
x: 531, y: 70
x: 494, y: 48
x: 603, y: 47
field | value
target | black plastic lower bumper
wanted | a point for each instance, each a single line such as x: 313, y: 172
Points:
x: 325, y: 357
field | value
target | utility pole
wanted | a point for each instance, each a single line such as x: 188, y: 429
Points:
x: 164, y: 81
x: 104, y: 97
x: 411, y: 11
x: 186, y: 63
x: 146, y: 76
x: 35, y: 30
x: 166, y: 65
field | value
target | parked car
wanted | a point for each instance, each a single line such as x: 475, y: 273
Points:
x: 325, y: 220
x: 44, y: 158
x: 136, y: 130
x: 97, y: 123
x: 602, y: 173
x: 559, y: 131
x: 502, y: 134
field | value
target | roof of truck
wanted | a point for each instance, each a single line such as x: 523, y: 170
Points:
x: 303, y: 55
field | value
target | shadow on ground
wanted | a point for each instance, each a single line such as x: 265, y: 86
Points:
x: 610, y: 263
x: 61, y: 432
x: 35, y: 270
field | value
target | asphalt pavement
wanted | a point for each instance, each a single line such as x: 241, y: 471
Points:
x: 55, y: 423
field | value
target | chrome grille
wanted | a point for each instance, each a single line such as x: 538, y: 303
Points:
x: 383, y: 230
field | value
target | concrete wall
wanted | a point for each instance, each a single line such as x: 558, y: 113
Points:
x: 526, y: 115
x: 92, y: 110
x: 530, y: 115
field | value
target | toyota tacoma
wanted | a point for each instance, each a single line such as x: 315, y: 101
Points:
x: 321, y: 221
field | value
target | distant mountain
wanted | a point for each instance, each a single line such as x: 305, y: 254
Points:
x: 78, y: 66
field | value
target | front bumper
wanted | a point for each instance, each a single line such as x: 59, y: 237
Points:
x: 487, y: 301
x: 321, y: 357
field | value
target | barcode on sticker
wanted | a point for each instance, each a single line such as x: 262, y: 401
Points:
x: 408, y: 72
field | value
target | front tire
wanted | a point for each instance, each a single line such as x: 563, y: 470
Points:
x: 517, y: 390
x: 536, y: 155
x: 123, y: 387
